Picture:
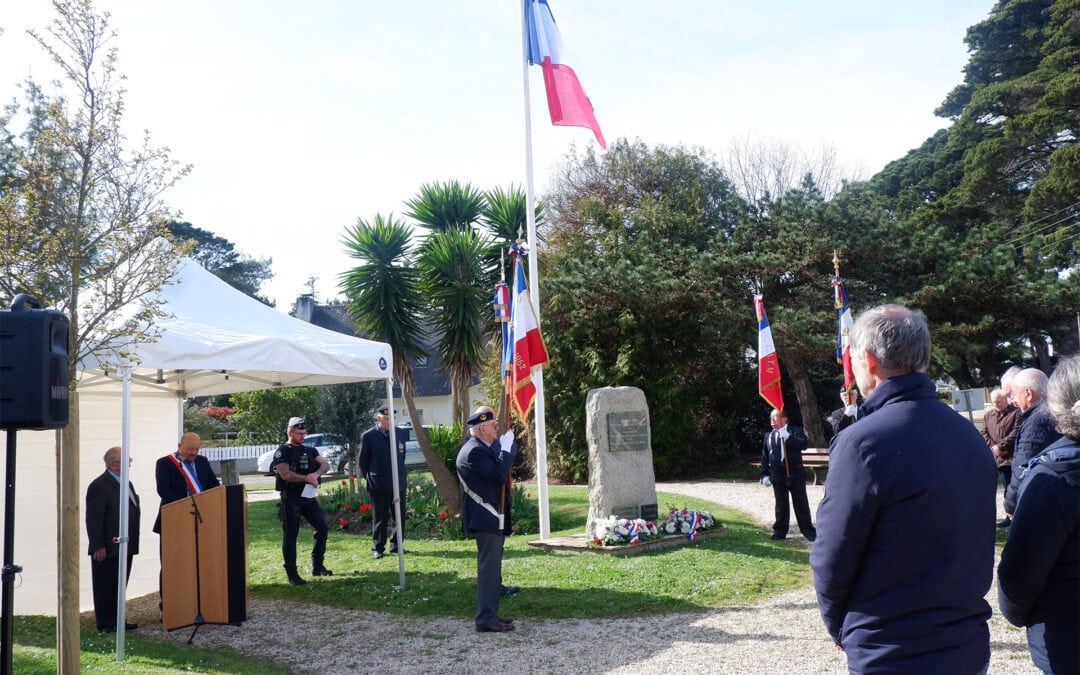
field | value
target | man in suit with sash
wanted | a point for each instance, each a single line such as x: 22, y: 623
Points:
x: 183, y: 473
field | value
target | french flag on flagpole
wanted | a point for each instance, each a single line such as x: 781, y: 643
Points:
x: 529, y: 349
x: 567, y: 102
x: 843, y: 333
x: 768, y: 365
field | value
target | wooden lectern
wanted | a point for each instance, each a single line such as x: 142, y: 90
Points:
x: 221, y: 569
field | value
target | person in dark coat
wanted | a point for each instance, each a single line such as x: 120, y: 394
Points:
x: 298, y: 468
x: 483, y: 467
x: 905, y: 548
x: 844, y: 416
x: 782, y: 469
x: 182, y: 474
x: 1039, y: 573
x: 102, y: 529
x: 378, y: 476
x: 1036, y: 432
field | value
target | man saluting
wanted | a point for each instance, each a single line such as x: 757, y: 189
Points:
x: 483, y: 466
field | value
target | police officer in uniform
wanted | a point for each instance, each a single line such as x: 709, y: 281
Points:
x: 298, y: 469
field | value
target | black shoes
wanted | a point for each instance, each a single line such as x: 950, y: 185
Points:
x: 1004, y: 522
x: 295, y: 579
x: 507, y: 591
x: 777, y: 537
x: 320, y: 571
x: 404, y: 551
x: 112, y: 629
x: 497, y: 627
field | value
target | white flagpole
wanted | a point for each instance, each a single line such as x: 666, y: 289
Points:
x: 534, y: 292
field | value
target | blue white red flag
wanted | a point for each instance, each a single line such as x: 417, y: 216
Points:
x: 768, y: 365
x: 695, y: 523
x: 529, y: 349
x: 635, y: 532
x: 567, y: 102
x: 843, y: 333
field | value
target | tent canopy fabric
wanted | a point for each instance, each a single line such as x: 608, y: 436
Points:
x: 216, y: 340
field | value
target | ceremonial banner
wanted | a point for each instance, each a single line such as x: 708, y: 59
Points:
x: 768, y: 365
x: 529, y: 349
x: 843, y: 333
x: 567, y: 103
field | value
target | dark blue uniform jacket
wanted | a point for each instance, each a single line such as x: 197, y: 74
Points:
x: 905, y: 535
x: 375, y: 461
x: 485, y: 470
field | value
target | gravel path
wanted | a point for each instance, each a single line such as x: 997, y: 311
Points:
x: 782, y: 634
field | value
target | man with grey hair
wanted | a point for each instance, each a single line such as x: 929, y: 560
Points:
x: 905, y: 534
x: 103, y: 531
x: 1000, y: 426
x: 1036, y: 428
x: 1006, y: 383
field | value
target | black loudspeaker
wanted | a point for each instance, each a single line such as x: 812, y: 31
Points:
x: 33, y: 366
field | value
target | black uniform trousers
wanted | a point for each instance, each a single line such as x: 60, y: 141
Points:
x: 382, y: 511
x: 796, y: 487
x: 292, y: 509
x: 489, y: 555
x: 105, y: 577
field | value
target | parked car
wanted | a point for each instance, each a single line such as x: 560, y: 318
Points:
x: 329, y: 446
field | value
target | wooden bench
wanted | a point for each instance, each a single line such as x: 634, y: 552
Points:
x: 814, y: 459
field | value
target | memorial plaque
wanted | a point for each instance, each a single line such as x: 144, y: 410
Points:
x: 628, y: 431
x: 650, y: 512
x: 630, y: 512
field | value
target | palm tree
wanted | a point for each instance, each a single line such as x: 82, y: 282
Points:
x: 384, y: 298
x: 445, y: 206
x: 456, y: 278
x: 504, y: 218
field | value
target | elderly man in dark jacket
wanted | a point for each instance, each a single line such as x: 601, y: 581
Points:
x: 1039, y: 574
x: 378, y: 472
x: 483, y: 467
x: 1036, y: 428
x: 905, y: 534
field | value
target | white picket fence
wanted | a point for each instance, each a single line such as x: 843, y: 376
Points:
x: 236, y: 452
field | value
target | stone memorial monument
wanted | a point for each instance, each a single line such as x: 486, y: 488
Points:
x: 621, y: 478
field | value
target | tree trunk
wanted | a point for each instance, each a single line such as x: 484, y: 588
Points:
x: 67, y: 615
x: 804, y: 392
x: 1042, y: 353
x: 459, y: 397
x: 445, y: 482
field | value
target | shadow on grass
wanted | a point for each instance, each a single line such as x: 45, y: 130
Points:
x: 34, y: 651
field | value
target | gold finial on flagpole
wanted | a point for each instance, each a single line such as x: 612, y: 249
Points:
x: 836, y: 262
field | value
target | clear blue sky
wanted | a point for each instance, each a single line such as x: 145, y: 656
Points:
x: 301, y: 117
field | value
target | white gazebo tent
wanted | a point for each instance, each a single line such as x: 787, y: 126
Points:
x: 215, y: 340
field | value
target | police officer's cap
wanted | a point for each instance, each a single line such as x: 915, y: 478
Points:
x: 295, y: 423
x: 480, y: 417
x: 383, y: 410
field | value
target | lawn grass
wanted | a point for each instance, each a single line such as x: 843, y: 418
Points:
x: 441, y: 575
x: 441, y: 581
x: 34, y: 652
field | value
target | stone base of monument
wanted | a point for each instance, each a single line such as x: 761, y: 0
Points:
x: 581, y: 543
